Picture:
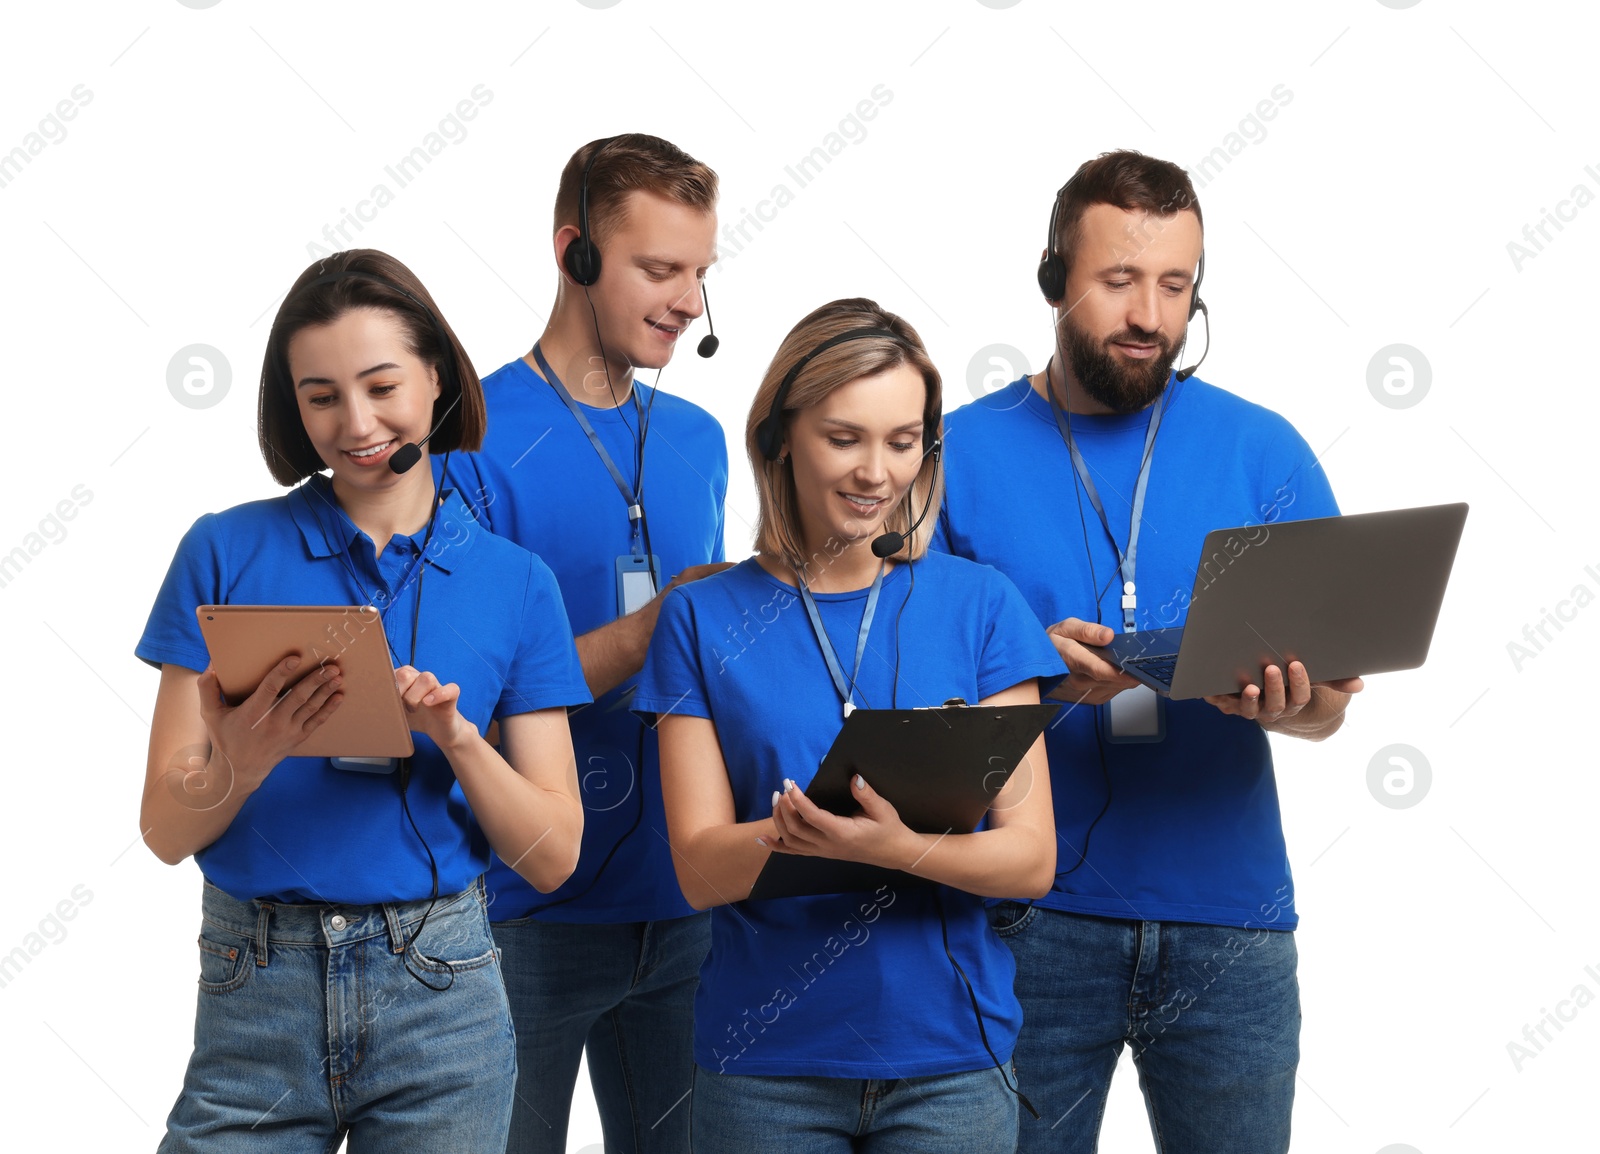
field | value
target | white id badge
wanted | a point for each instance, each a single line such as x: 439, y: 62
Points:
x: 366, y: 764
x: 1137, y: 714
x: 637, y: 581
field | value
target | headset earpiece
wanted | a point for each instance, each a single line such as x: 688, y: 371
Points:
x: 1052, y: 269
x: 582, y: 261
x: 582, y: 258
x: 769, y: 434
x: 1053, y: 277
x: 1195, y: 303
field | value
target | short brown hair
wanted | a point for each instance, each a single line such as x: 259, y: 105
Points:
x: 631, y: 162
x: 366, y: 279
x: 778, y: 520
x: 1127, y: 180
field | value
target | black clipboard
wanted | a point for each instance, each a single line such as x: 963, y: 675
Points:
x: 940, y: 768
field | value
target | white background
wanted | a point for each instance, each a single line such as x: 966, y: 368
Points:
x: 1376, y: 209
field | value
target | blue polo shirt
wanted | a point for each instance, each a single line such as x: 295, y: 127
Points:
x: 491, y: 621
x: 841, y: 985
x: 1193, y: 832
x: 539, y: 481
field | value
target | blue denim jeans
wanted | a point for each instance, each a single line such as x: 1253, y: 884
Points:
x: 967, y: 1113
x: 1212, y: 1015
x: 311, y: 1028
x: 626, y: 994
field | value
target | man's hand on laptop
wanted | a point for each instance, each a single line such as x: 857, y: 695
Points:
x: 1301, y: 708
x: 1093, y: 680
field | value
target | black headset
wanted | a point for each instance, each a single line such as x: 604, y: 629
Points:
x: 582, y: 258
x: 769, y: 434
x: 1053, y: 269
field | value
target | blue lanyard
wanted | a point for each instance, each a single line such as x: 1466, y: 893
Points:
x: 846, y: 689
x: 413, y: 572
x: 634, y: 496
x: 1126, y: 561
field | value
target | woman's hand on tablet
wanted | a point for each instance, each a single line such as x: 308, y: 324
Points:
x: 207, y: 757
x: 287, y: 707
x: 431, y: 707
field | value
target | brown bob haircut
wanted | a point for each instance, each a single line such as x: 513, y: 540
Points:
x: 365, y: 279
x: 632, y: 162
x: 778, y: 522
x: 1127, y: 180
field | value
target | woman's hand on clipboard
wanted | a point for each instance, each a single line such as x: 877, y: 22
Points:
x: 876, y: 835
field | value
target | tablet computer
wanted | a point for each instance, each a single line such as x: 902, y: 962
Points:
x: 246, y: 641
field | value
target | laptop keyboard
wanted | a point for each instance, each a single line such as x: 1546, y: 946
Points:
x: 1157, y: 665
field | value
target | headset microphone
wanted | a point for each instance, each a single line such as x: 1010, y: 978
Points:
x: 1200, y: 307
x: 708, y: 343
x: 409, y: 454
x: 888, y: 544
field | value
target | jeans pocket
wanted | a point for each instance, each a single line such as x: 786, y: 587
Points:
x: 224, y: 964
x: 457, y: 941
x: 437, y: 965
x: 1011, y: 918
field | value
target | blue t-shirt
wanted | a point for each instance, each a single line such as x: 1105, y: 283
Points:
x: 539, y: 481
x: 845, y: 985
x: 491, y: 621
x: 1193, y: 831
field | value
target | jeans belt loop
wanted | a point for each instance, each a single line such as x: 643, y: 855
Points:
x: 264, y: 912
x: 397, y: 937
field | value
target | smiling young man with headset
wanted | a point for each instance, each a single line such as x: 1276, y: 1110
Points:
x: 1091, y: 485
x: 618, y: 487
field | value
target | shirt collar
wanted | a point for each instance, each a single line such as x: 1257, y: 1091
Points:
x: 327, y: 530
x: 533, y: 378
x: 1022, y: 392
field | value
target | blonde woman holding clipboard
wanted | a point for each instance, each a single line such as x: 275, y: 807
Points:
x: 881, y: 1020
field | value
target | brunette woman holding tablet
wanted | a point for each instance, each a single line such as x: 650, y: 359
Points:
x: 348, y: 980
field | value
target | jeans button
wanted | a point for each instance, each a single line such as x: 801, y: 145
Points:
x: 338, y: 922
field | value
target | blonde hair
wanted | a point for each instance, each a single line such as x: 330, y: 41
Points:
x: 777, y: 522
